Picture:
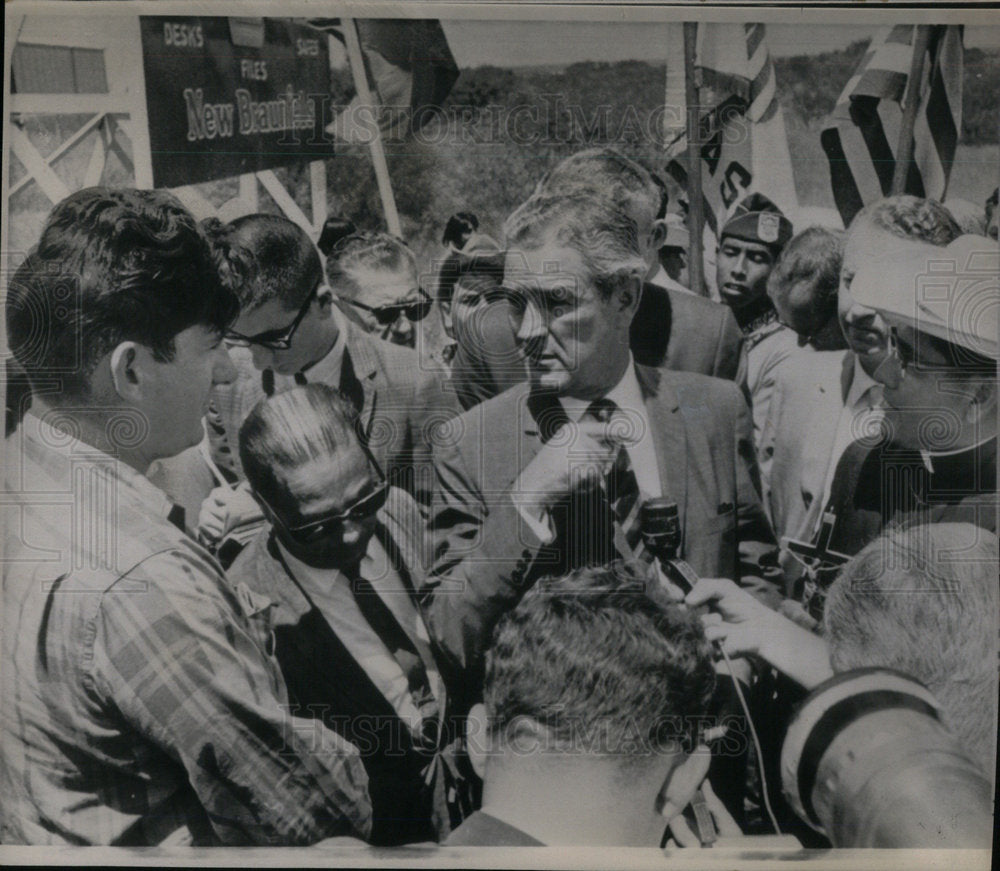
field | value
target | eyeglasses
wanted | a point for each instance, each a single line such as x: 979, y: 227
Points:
x: 387, y: 315
x: 274, y: 340
x: 324, y: 527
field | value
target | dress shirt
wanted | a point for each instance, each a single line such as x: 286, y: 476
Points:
x: 861, y: 413
x: 637, y: 440
x: 331, y: 592
x: 138, y: 696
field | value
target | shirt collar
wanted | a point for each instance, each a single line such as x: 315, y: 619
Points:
x: 57, y: 452
x: 626, y: 394
x: 861, y: 384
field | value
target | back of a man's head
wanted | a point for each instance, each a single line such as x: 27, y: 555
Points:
x: 612, y: 174
x: 111, y: 265
x: 292, y: 428
x: 924, y: 600
x: 265, y: 257
x: 603, y: 663
x: 807, y: 275
x: 909, y: 217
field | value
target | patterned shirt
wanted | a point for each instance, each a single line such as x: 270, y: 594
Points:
x: 138, y: 702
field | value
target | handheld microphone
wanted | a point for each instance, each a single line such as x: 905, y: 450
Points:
x: 659, y: 521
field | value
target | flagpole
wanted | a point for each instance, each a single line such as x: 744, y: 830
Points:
x: 904, y: 149
x: 353, y: 45
x: 696, y: 211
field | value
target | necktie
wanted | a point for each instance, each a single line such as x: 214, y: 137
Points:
x: 623, y: 494
x: 398, y: 643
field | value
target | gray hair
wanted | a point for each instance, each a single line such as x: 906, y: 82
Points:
x: 593, y: 225
x: 924, y: 600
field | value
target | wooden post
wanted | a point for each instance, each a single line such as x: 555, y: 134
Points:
x: 696, y: 211
x: 377, y: 151
x: 904, y: 149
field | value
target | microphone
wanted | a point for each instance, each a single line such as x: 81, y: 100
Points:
x: 660, y: 524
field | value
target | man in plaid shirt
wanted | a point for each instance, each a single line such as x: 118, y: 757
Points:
x: 140, y: 701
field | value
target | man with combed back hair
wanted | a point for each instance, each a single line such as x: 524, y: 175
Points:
x: 341, y: 557
x: 140, y: 705
x: 595, y: 685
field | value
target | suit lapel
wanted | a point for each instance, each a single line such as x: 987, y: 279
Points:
x: 669, y: 435
x: 357, y: 377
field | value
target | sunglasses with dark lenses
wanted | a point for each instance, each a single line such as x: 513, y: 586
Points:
x: 324, y: 527
x: 274, y: 340
x: 387, y: 315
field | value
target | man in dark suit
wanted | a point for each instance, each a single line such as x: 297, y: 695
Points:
x: 340, y: 559
x: 523, y: 489
x: 291, y: 331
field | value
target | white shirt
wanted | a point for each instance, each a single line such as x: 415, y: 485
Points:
x: 331, y: 592
x: 632, y: 424
x: 861, y: 413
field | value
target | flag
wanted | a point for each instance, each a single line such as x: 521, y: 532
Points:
x: 410, y: 70
x: 744, y: 145
x: 862, y: 134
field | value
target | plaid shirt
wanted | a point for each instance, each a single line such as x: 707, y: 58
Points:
x: 138, y: 702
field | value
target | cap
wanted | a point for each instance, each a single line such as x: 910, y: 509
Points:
x: 950, y: 292
x: 757, y: 219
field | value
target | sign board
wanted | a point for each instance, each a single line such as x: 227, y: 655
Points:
x: 227, y: 96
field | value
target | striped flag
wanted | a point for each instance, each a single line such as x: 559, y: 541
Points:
x: 745, y: 147
x: 862, y: 135
x: 410, y: 70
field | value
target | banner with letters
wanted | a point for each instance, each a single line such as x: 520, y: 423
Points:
x: 227, y: 96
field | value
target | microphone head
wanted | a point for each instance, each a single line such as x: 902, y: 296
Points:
x: 659, y: 516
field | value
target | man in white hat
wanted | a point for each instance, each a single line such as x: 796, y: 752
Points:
x: 937, y: 459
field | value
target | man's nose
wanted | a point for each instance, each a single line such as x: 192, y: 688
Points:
x: 224, y: 370
x: 402, y: 327
x: 740, y: 267
x: 532, y: 328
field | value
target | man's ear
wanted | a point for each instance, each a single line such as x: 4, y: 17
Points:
x: 445, y: 306
x: 128, y: 363
x: 630, y: 294
x: 477, y: 739
x: 982, y: 407
x: 682, y: 781
x: 657, y: 235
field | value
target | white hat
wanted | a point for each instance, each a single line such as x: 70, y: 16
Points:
x: 952, y: 293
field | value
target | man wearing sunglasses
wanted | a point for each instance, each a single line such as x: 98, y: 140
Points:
x: 341, y: 557
x: 290, y: 331
x: 937, y: 461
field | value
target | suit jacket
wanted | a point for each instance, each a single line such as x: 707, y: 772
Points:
x: 686, y: 333
x: 408, y: 784
x: 401, y: 404
x: 796, y: 445
x: 486, y: 555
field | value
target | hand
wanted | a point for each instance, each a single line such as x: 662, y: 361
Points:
x: 742, y: 623
x: 576, y: 452
x: 725, y: 825
x: 223, y: 510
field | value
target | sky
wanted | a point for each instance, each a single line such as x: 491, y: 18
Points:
x: 502, y: 43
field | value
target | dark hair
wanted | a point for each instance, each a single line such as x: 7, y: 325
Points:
x: 111, y: 265
x: 910, y: 217
x: 335, y: 228
x: 293, y: 427
x: 815, y: 256
x: 459, y: 228
x: 481, y: 266
x: 264, y: 257
x: 603, y: 654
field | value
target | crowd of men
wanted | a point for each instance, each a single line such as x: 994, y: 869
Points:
x: 277, y: 571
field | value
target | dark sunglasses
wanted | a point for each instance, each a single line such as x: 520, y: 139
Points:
x: 274, y: 340
x: 323, y: 527
x: 387, y: 315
